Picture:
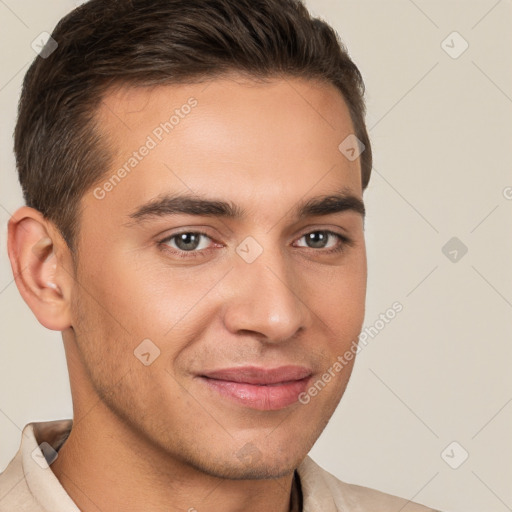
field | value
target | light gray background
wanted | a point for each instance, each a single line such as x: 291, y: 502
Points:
x: 440, y: 371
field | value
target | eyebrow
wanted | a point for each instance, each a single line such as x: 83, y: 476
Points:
x: 189, y: 204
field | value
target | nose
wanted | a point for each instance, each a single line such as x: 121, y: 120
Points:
x: 266, y: 299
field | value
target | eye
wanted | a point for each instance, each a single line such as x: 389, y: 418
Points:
x: 318, y: 240
x: 186, y: 244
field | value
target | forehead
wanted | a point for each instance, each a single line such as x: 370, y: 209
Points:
x: 251, y: 142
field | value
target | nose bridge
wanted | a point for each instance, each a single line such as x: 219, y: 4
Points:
x: 266, y: 294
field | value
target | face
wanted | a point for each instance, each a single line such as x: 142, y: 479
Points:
x: 215, y: 297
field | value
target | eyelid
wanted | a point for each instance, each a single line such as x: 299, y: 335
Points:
x: 180, y: 253
x: 343, y: 238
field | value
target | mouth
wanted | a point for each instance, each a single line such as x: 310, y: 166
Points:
x: 264, y: 389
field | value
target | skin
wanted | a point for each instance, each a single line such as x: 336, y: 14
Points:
x: 162, y: 439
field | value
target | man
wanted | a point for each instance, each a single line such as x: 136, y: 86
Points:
x: 193, y: 173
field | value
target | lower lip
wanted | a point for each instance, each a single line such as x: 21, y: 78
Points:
x: 264, y: 398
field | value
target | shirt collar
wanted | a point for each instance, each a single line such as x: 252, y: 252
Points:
x: 42, y: 482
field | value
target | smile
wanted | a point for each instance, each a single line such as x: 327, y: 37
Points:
x: 259, y: 388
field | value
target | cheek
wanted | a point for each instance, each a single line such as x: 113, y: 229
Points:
x: 339, y: 296
x: 138, y: 295
x: 341, y: 307
x: 115, y: 311
x: 104, y: 345
x: 143, y: 298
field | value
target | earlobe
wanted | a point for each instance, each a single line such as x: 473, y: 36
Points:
x: 36, y: 252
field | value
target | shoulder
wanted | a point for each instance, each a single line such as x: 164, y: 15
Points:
x: 27, y: 484
x: 14, y: 492
x: 323, y: 491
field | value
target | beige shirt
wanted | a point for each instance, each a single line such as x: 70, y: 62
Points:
x: 29, y: 485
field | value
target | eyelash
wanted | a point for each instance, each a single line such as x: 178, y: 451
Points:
x: 344, y: 241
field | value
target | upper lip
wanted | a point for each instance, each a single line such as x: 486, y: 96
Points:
x: 259, y: 375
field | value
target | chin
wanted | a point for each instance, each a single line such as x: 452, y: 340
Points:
x: 259, y: 470
x: 249, y: 463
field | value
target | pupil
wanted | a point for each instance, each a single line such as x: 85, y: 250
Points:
x: 186, y: 239
x: 317, y: 235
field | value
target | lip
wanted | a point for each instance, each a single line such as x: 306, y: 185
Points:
x: 265, y: 389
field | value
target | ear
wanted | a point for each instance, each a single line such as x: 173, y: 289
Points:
x: 42, y: 267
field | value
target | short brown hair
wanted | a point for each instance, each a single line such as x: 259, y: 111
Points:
x: 59, y: 153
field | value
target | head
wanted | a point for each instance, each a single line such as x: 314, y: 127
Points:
x: 192, y: 208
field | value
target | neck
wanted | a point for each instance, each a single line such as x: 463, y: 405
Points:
x: 113, y: 469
